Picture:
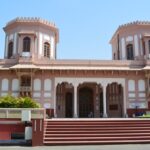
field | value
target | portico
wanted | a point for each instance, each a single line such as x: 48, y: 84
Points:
x: 89, y: 95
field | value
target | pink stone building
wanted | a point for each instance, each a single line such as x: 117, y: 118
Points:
x: 77, y: 88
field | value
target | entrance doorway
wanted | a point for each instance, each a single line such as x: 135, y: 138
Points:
x: 101, y: 103
x: 85, y: 102
x: 114, y: 100
x: 69, y: 105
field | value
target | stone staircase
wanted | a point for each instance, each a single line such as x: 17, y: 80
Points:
x: 96, y: 131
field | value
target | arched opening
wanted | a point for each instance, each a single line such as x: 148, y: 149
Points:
x: 26, y: 44
x: 64, y: 100
x: 86, y: 106
x: 10, y: 50
x: 129, y: 50
x: 114, y: 100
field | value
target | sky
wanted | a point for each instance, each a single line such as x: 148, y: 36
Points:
x: 85, y: 26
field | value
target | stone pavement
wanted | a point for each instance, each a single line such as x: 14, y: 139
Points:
x: 80, y: 147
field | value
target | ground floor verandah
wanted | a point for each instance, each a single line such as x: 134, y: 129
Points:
x: 86, y: 98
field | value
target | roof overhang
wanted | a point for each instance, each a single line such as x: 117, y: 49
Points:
x: 87, y: 68
x: 24, y: 66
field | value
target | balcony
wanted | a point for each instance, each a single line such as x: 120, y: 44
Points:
x: 26, y: 54
x: 25, y: 58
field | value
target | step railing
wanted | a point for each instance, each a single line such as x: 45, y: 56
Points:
x: 16, y: 113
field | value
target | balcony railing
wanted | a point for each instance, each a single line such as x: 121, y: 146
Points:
x: 25, y: 88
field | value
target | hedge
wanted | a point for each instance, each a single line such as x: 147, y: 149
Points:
x: 20, y: 102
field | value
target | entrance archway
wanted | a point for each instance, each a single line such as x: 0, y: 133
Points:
x: 114, y: 100
x: 64, y: 100
x: 85, y: 102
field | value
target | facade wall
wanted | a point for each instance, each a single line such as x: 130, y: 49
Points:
x: 44, y: 86
x: 42, y: 89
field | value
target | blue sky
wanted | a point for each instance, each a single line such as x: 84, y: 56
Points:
x: 85, y: 26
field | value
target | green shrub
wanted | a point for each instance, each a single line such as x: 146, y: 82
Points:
x: 8, y: 102
x: 145, y: 116
x: 21, y: 102
x: 27, y: 102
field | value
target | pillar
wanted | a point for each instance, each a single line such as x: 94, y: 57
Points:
x: 136, y: 45
x: 6, y: 46
x: 55, y: 103
x: 15, y: 44
x: 37, y: 132
x: 104, y: 102
x: 52, y: 48
x: 75, y: 114
x: 123, y: 48
x: 124, y: 102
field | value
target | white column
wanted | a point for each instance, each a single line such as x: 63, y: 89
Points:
x: 40, y: 53
x: 75, y: 114
x: 124, y: 102
x: 15, y: 44
x: 136, y: 45
x: 123, y: 48
x: 6, y: 46
x: 52, y: 47
x: 141, y: 48
x: 104, y: 102
x: 55, y: 103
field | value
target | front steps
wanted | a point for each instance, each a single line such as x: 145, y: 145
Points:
x: 96, y: 131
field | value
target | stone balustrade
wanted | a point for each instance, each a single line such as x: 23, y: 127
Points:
x: 16, y: 113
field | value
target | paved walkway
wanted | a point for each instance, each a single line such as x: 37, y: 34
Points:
x: 94, y: 147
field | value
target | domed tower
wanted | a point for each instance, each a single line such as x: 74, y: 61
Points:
x: 33, y: 38
x: 131, y: 41
x: 29, y: 41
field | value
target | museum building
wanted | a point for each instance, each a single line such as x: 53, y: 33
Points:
x: 77, y: 88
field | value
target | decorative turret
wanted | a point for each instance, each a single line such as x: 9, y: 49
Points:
x: 131, y: 41
x: 30, y: 37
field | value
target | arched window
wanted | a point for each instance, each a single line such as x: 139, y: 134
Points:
x: 26, y: 44
x: 10, y: 49
x: 129, y: 50
x: 46, y: 49
x: 149, y: 46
